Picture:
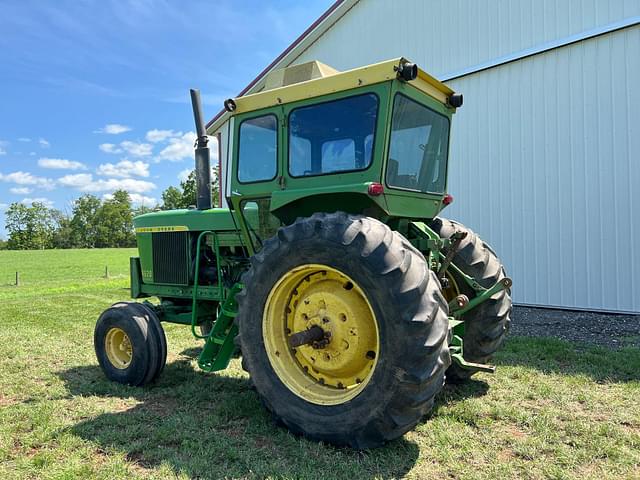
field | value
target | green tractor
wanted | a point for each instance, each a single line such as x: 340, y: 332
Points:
x: 331, y: 272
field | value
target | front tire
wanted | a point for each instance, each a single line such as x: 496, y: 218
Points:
x: 130, y: 344
x: 373, y: 291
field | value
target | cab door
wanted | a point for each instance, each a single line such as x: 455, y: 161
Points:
x: 256, y: 173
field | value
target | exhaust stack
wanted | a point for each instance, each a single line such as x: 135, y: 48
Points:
x: 202, y: 156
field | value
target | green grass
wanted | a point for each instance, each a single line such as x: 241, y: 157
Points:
x: 552, y: 410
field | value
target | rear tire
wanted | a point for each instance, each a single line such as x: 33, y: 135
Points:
x: 408, y: 309
x: 487, y: 325
x: 130, y: 344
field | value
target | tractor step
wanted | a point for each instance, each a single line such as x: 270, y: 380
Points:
x: 219, y: 344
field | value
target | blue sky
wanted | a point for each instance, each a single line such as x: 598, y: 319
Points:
x: 94, y: 94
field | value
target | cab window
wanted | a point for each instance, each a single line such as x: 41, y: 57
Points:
x: 418, y: 147
x: 331, y: 137
x: 258, y: 149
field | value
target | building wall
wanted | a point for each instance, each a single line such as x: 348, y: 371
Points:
x: 545, y: 159
x: 546, y: 166
x: 445, y: 37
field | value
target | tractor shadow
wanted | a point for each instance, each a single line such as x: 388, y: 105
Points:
x: 213, y: 426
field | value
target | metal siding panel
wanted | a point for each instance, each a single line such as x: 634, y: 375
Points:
x: 541, y: 159
x: 629, y: 197
x: 570, y: 132
x: 445, y: 37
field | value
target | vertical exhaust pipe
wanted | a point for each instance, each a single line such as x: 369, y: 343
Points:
x: 202, y: 155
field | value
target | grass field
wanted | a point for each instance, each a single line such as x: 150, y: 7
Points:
x: 552, y: 410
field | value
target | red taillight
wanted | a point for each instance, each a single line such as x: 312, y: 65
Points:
x: 447, y: 199
x: 375, y: 189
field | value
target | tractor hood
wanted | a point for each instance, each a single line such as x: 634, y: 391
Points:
x: 218, y: 219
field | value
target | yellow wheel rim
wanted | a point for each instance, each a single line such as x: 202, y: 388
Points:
x: 338, y: 368
x: 118, y: 348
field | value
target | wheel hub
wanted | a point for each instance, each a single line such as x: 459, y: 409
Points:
x: 118, y: 348
x: 331, y: 334
x: 325, y: 301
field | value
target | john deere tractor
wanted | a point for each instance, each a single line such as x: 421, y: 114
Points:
x: 350, y: 300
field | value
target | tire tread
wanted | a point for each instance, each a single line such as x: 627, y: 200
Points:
x: 424, y: 317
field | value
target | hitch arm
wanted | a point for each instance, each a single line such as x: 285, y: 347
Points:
x: 500, y: 285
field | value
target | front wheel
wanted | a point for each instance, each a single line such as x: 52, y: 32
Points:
x: 343, y: 329
x: 130, y: 344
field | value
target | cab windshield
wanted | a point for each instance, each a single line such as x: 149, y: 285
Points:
x: 331, y: 137
x: 418, y: 147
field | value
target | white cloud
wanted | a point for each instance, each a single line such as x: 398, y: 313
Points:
x: 124, y: 169
x: 20, y: 190
x: 3, y: 144
x: 24, y: 139
x: 32, y: 154
x: 25, y: 178
x: 3, y: 206
x: 43, y: 200
x: 136, y: 199
x: 156, y: 135
x: 184, y: 174
x: 60, y: 163
x: 179, y: 148
x: 2, y: 151
x: 137, y: 149
x: 85, y: 183
x: 43, y: 143
x: 132, y: 148
x: 109, y: 148
x: 129, y: 184
x: 77, y: 180
x: 113, y: 129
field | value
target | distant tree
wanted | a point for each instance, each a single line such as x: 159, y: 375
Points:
x: 29, y: 227
x: 172, y: 199
x: 16, y: 224
x: 93, y: 223
x: 141, y: 210
x: 188, y: 187
x: 63, y: 233
x: 185, y: 196
x: 114, y: 221
x: 84, y: 223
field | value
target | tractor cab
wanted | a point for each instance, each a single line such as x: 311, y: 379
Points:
x: 372, y: 140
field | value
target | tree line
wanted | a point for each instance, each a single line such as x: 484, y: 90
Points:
x: 92, y: 223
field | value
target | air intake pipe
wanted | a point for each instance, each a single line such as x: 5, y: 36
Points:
x: 202, y: 154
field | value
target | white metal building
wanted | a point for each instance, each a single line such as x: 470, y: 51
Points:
x: 545, y: 152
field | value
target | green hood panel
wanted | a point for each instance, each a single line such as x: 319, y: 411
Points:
x: 217, y: 219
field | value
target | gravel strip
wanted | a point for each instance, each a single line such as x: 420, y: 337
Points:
x: 604, y: 329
